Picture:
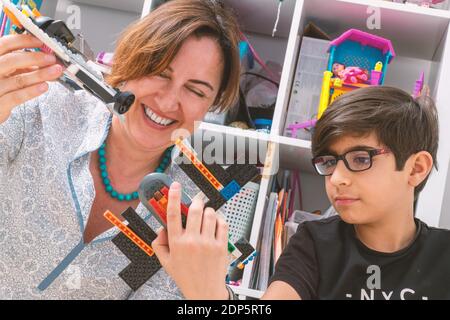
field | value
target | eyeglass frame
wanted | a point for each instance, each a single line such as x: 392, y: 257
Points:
x: 372, y: 153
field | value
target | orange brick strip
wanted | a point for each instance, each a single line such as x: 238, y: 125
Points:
x: 129, y: 233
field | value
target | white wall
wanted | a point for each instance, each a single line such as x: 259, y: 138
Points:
x: 435, y: 198
x: 445, y: 216
x: 100, y: 26
x: 268, y: 48
x: 48, y: 8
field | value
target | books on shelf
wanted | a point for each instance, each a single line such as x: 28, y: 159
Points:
x: 265, y: 248
x: 305, y: 93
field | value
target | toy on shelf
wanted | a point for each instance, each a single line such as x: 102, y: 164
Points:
x: 350, y: 74
x: 357, y: 59
x: 422, y: 3
x: 298, y: 126
x: 418, y: 87
x: 218, y: 184
x: 57, y: 38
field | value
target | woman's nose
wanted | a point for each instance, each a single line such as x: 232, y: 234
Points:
x: 167, y: 100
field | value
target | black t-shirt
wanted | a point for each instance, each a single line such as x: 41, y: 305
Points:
x: 325, y: 260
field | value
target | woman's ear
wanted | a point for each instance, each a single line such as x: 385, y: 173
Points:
x: 421, y: 164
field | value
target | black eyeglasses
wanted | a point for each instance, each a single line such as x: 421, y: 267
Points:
x: 355, y: 160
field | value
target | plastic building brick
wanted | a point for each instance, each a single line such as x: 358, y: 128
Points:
x: 248, y: 253
x: 154, y: 188
x: 212, y: 186
x: 157, y: 184
x: 57, y: 38
x: 199, y: 165
x: 230, y: 190
x: 133, y: 243
x: 154, y: 192
x: 129, y: 233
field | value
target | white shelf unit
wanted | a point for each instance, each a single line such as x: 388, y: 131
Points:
x: 421, y: 39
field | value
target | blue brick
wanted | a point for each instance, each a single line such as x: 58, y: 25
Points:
x: 230, y: 190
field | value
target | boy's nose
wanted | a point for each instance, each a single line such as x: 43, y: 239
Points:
x: 340, y: 175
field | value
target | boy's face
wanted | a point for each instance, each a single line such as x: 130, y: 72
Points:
x: 370, y: 196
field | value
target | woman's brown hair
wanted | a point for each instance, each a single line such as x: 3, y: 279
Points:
x: 148, y: 46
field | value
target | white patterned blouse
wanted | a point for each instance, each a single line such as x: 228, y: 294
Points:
x: 46, y: 193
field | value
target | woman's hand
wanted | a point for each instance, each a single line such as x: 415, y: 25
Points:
x: 195, y: 257
x: 23, y: 75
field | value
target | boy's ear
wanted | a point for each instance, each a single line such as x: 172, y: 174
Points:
x: 421, y: 164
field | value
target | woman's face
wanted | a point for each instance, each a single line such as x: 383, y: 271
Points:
x: 178, y: 97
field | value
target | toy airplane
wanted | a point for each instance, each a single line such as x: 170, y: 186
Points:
x: 135, y: 237
x: 57, y: 38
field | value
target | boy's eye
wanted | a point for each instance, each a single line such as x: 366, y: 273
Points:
x: 361, y: 160
x: 329, y: 162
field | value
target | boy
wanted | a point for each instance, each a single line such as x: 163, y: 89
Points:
x: 375, y: 248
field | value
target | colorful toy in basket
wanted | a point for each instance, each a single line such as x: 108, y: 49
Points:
x: 350, y: 74
x: 357, y: 59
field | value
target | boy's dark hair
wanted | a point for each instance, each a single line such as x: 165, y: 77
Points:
x: 403, y: 124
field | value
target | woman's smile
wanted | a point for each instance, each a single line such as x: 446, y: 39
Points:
x: 156, y: 120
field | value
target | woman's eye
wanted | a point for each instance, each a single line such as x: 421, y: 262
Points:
x: 197, y: 93
x: 164, y: 75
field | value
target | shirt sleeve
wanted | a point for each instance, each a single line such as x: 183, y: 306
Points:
x: 297, y: 265
x: 11, y: 136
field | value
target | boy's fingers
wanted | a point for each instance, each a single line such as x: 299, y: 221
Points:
x: 209, y: 223
x: 194, y: 220
x: 174, y: 227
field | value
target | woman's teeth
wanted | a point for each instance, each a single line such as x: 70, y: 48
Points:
x: 157, y: 119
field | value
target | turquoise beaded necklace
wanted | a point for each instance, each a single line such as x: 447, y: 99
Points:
x: 107, y: 183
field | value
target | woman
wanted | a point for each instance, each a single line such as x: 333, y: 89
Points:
x: 65, y: 160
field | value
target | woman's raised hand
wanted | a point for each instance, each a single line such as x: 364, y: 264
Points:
x: 23, y: 74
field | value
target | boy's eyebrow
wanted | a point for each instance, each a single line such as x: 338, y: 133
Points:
x: 353, y: 148
x: 195, y: 81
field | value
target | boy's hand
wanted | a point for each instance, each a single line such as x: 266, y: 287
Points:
x: 195, y: 257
